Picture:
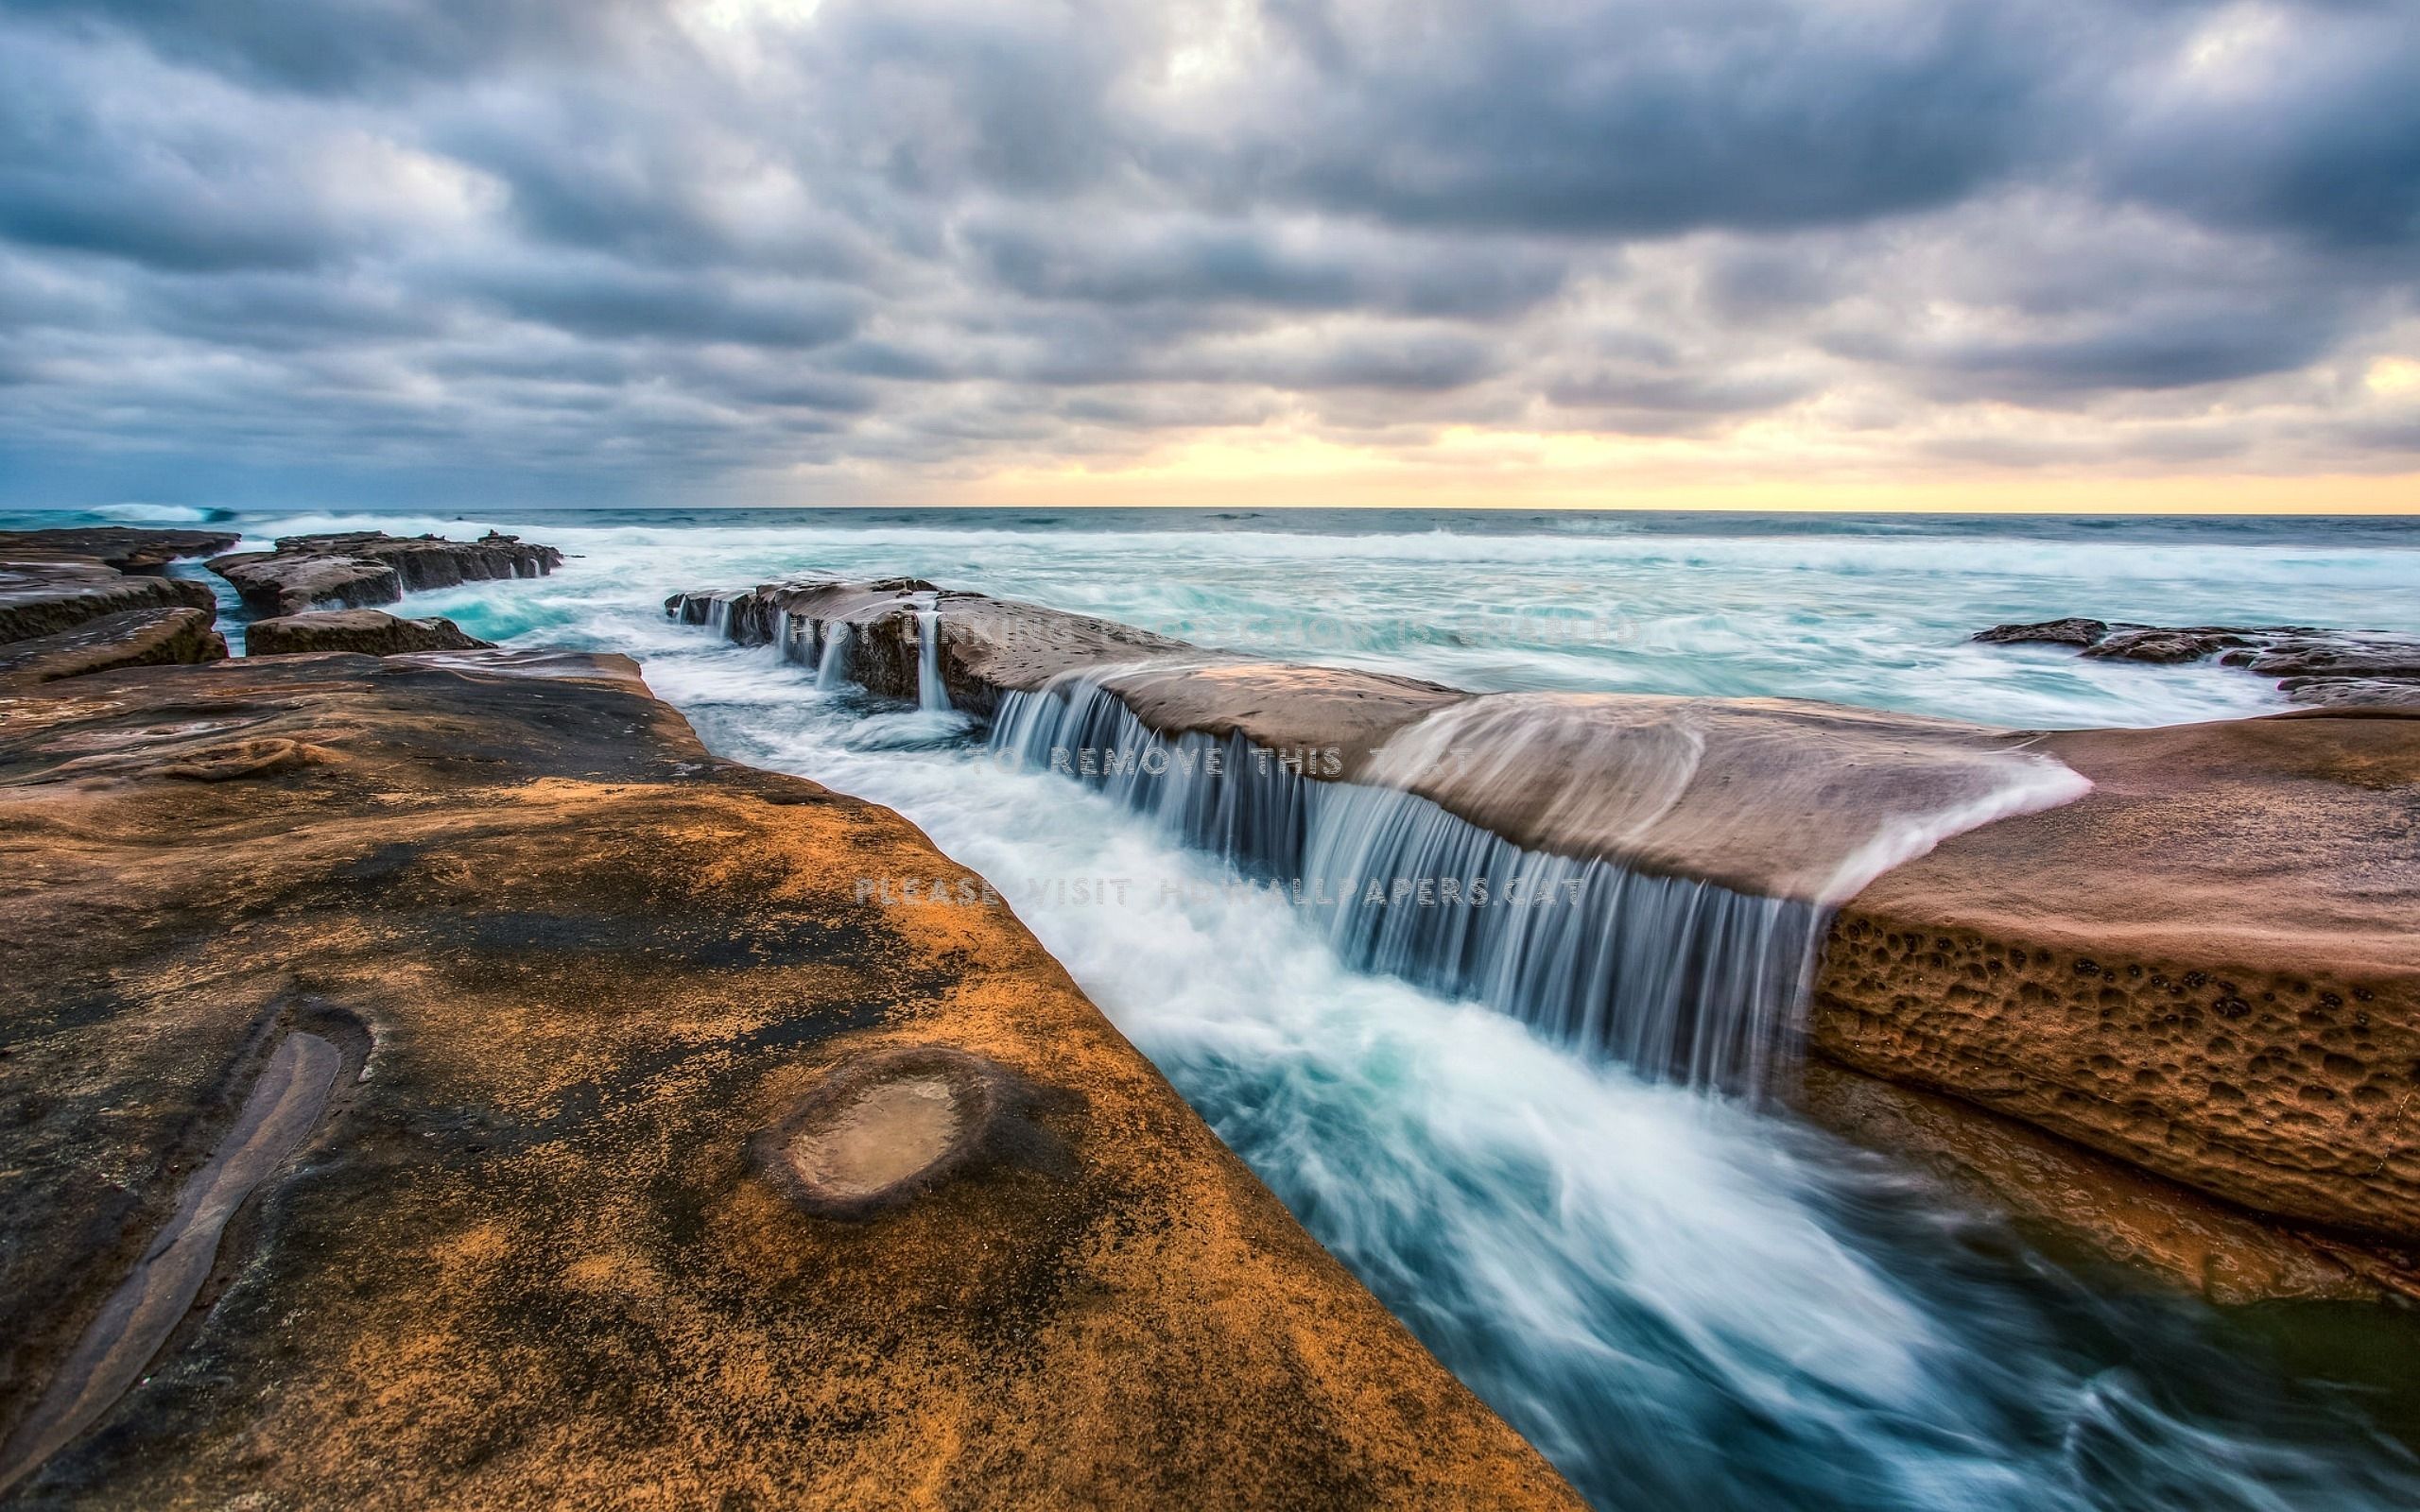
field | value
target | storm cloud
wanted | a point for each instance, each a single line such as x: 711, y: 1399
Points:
x: 767, y: 251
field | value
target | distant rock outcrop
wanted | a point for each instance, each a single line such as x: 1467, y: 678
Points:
x: 357, y: 569
x: 2337, y: 669
x: 127, y: 548
x: 370, y: 631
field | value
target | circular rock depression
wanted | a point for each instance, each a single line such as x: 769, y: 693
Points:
x: 882, y: 1127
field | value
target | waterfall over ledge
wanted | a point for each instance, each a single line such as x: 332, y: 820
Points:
x: 1647, y: 879
x: 1680, y: 978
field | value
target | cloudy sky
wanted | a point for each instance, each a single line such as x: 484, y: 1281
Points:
x: 1951, y: 253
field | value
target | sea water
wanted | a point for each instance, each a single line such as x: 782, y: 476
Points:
x: 1683, y: 1300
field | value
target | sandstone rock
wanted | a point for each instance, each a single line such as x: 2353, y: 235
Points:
x: 43, y: 591
x: 137, y: 638
x: 127, y: 548
x: 369, y: 631
x: 361, y: 568
x: 1649, y: 783
x: 525, y: 1252
x: 2205, y: 967
x: 2074, y: 1200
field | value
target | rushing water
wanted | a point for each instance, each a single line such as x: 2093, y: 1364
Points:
x: 1683, y: 1300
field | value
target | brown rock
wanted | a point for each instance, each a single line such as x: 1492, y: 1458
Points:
x: 2074, y: 1199
x: 137, y: 638
x: 2052, y: 632
x: 127, y: 548
x: 370, y: 631
x: 2326, y: 668
x: 43, y: 591
x: 361, y: 568
x: 526, y: 1252
x: 2205, y: 967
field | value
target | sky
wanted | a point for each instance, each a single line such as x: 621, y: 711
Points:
x: 2061, y: 254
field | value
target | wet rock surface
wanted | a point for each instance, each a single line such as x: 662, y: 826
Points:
x: 2342, y: 668
x: 2078, y: 1202
x: 131, y: 549
x: 528, y: 1251
x: 136, y: 638
x: 2205, y: 967
x: 358, y: 569
x: 369, y: 631
x: 1650, y: 782
x: 43, y: 591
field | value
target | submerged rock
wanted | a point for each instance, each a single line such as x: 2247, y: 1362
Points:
x: 372, y: 632
x: 358, y: 569
x: 574, y: 968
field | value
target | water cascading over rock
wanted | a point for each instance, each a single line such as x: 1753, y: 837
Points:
x: 1648, y: 877
x: 1686, y: 859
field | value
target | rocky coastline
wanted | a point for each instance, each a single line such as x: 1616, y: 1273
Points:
x: 361, y: 569
x: 398, y: 1029
x: 2322, y: 667
x: 435, y: 1078
x: 2092, y: 968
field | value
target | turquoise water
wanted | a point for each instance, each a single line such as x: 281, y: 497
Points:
x: 1682, y: 1300
x: 1869, y: 611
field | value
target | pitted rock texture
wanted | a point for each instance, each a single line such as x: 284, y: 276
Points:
x: 2333, y: 668
x: 369, y: 631
x: 2072, y: 1198
x: 354, y: 569
x: 526, y: 1257
x: 2206, y: 967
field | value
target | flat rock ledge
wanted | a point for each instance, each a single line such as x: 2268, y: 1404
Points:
x: 139, y: 550
x: 67, y: 608
x: 137, y: 638
x: 369, y: 631
x: 358, y: 569
x: 657, y: 1162
x: 44, y: 591
x: 2327, y: 668
x: 2204, y: 969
